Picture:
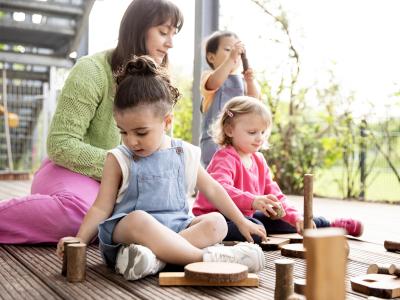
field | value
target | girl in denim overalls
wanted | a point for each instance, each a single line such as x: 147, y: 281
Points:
x: 141, y: 211
x: 222, y: 83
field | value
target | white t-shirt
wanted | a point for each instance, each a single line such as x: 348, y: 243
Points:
x: 192, y: 164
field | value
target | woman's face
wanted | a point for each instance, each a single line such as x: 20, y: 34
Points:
x: 159, y: 39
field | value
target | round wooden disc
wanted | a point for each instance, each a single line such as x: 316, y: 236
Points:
x: 293, y: 250
x: 216, y: 271
x: 300, y: 286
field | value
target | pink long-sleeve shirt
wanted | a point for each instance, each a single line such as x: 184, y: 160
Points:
x: 243, y: 184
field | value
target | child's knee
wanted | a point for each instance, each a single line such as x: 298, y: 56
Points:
x: 139, y: 219
x: 218, y: 225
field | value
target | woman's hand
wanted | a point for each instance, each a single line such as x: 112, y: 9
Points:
x: 300, y: 226
x: 60, y: 245
x: 266, y: 204
x: 247, y: 228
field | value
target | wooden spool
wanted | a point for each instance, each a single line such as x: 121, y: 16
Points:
x: 283, y: 278
x: 76, y: 262
x: 216, y: 272
x: 326, y: 263
x: 65, y: 257
x: 392, y: 246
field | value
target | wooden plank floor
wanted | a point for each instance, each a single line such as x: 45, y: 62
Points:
x: 33, y: 272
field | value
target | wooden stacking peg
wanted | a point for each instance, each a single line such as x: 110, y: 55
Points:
x: 76, y: 262
x: 283, y: 278
x: 65, y: 258
x: 392, y: 246
x: 298, y: 250
x: 381, y: 269
x: 326, y: 264
x: 308, y: 201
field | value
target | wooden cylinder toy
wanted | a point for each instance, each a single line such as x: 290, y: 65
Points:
x: 308, y: 201
x: 65, y: 258
x: 381, y: 269
x: 283, y: 278
x: 245, y: 62
x: 76, y: 267
x: 326, y: 264
x: 392, y: 245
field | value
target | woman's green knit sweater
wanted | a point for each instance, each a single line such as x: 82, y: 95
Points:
x: 83, y: 127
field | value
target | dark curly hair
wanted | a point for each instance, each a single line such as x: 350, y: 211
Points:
x: 142, y: 82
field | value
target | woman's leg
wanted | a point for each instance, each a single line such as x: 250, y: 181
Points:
x: 141, y: 228
x: 60, y: 199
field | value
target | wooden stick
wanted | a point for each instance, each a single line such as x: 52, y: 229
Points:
x: 326, y: 263
x: 392, y: 246
x: 381, y: 269
x: 308, y: 201
x: 76, y: 268
x: 245, y: 62
x: 283, y: 278
x: 65, y: 258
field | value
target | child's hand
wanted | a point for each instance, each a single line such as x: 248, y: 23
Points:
x: 236, y: 51
x: 60, y: 245
x: 247, y: 228
x: 300, y: 226
x: 248, y: 75
x: 265, y: 204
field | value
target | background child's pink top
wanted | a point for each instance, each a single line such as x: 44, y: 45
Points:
x: 243, y: 184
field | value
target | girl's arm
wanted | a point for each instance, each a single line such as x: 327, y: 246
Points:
x: 252, y: 89
x: 217, y: 195
x: 221, y: 73
x: 104, y: 204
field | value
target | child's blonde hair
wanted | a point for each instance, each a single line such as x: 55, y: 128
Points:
x: 238, y: 106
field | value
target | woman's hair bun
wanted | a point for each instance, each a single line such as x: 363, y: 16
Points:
x: 138, y: 66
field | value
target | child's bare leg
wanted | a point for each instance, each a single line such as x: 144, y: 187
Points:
x: 206, y: 230
x: 141, y: 228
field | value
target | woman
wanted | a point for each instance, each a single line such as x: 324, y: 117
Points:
x: 83, y: 129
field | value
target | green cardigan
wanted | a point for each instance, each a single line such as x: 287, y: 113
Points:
x: 83, y: 127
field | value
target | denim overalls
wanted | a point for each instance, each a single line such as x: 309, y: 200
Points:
x: 157, y: 186
x: 233, y: 86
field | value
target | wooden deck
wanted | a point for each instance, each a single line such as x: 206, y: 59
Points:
x: 33, y: 272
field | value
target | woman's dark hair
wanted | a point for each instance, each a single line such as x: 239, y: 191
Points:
x: 212, y: 42
x: 142, y: 82
x: 138, y: 18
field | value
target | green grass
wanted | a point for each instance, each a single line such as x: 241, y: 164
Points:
x: 384, y: 187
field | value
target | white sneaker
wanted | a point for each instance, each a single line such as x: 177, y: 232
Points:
x: 136, y: 261
x: 245, y: 253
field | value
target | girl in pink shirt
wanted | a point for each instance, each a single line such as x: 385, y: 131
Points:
x: 241, y: 130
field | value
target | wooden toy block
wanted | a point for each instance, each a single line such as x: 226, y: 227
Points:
x: 296, y: 297
x: 300, y: 286
x: 283, y: 278
x: 280, y: 212
x: 377, y: 285
x: 293, y: 237
x: 294, y: 250
x: 392, y: 245
x: 381, y: 269
x: 14, y: 175
x: 326, y: 264
x: 210, y: 274
x: 76, y: 262
x: 65, y: 257
x: 273, y: 243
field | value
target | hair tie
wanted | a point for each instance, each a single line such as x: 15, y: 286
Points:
x: 229, y: 113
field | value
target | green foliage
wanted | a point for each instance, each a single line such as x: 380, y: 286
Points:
x: 183, y: 112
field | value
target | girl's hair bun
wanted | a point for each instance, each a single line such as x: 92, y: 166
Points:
x: 138, y: 66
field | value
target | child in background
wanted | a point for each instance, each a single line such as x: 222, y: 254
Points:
x: 141, y: 211
x: 223, y: 54
x: 242, y: 128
